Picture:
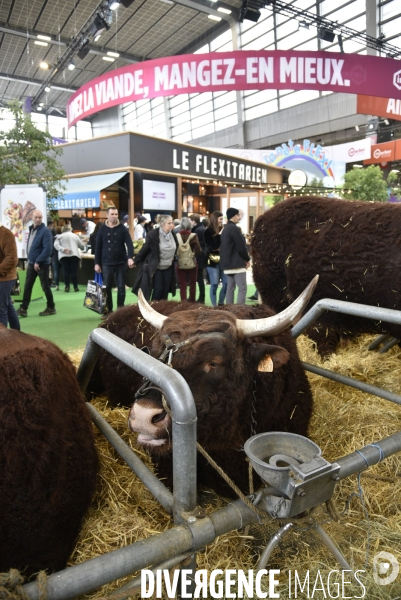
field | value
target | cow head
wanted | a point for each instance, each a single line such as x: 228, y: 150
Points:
x: 219, y: 356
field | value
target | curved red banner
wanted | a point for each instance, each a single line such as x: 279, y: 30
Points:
x: 238, y: 70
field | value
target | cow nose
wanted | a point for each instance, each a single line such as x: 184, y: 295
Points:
x: 159, y: 417
x: 146, y: 418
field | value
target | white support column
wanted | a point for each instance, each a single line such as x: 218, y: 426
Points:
x: 167, y: 117
x: 372, y: 20
x: 236, y: 37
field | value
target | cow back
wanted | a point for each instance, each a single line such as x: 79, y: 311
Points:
x: 48, y: 461
x: 355, y: 247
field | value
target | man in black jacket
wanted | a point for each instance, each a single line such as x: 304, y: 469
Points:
x: 199, y: 229
x: 234, y: 257
x: 113, y: 247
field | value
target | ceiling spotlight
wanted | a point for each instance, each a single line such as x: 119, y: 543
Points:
x: 71, y: 66
x: 108, y: 58
x: 114, y: 5
x: 386, y: 122
x: 108, y: 17
x: 44, y: 65
x: 224, y: 10
x: 98, y: 26
x: 250, y: 15
x: 39, y: 108
x: 214, y: 18
x: 327, y: 35
x: 46, y: 38
x: 303, y: 25
x: 41, y: 103
x: 113, y: 54
x: 356, y: 127
x: 84, y: 50
x: 47, y: 89
x: 40, y: 43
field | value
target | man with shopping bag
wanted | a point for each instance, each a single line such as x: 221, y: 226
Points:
x: 113, y: 256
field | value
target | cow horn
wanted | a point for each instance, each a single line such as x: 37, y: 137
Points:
x: 150, y: 314
x: 277, y: 323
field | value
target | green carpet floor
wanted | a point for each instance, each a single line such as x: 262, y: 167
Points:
x: 72, y: 324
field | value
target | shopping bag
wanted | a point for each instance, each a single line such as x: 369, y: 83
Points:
x: 95, y: 295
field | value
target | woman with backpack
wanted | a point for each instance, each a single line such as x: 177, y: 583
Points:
x: 187, y: 268
x: 212, y: 243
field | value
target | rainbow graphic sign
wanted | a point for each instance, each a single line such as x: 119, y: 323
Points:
x: 308, y: 151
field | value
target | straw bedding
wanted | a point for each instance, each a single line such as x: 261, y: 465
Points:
x: 344, y: 420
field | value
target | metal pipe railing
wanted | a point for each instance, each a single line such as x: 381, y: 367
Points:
x: 369, y: 455
x: 376, y: 313
x: 355, y: 383
x: 379, y: 340
x: 390, y: 344
x: 153, y: 483
x: 358, y: 310
x: 87, y: 576
x: 179, y: 397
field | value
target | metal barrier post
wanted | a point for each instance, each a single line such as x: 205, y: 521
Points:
x: 178, y: 395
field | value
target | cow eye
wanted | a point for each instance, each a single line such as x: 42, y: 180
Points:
x: 212, y: 365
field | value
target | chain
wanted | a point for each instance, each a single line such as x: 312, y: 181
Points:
x: 253, y: 409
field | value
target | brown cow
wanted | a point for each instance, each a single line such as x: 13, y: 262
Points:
x: 355, y: 248
x: 48, y: 461
x: 245, y: 376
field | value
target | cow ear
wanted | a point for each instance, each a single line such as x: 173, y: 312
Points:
x: 268, y: 357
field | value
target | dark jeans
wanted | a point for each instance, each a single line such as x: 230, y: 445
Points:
x: 31, y: 275
x: 70, y: 269
x: 7, y: 310
x: 117, y: 272
x: 187, y: 277
x: 201, y: 284
x: 162, y: 283
x: 56, y: 270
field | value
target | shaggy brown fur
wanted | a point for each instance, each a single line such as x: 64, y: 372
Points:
x: 48, y: 461
x: 223, y: 377
x: 354, y: 247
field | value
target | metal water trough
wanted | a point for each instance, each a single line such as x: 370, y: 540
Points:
x: 189, y: 533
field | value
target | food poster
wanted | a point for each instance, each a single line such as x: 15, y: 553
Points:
x: 17, y: 204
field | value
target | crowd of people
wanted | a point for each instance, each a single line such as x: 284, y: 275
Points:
x: 174, y: 254
x: 220, y: 251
